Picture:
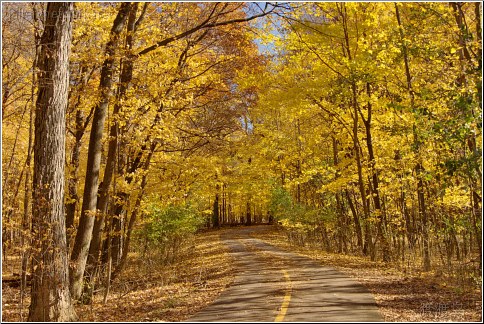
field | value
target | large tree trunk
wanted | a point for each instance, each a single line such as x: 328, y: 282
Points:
x: 88, y: 212
x: 51, y: 300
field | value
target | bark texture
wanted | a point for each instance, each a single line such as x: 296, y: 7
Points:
x: 51, y: 300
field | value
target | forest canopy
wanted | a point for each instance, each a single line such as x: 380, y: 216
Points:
x: 355, y: 125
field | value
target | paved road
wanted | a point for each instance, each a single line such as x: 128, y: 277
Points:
x: 275, y: 285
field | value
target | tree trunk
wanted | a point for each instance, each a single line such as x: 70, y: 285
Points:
x: 134, y: 215
x: 129, y: 231
x: 81, y: 123
x: 27, y: 218
x: 216, y: 211
x: 339, y: 206
x: 102, y: 203
x: 116, y: 236
x: 356, y: 143
x: 248, y: 220
x: 375, y: 192
x: 465, y: 61
x: 418, y: 167
x: 361, y: 185
x: 88, y: 212
x: 73, y: 181
x: 356, y: 220
x: 51, y: 300
x: 224, y: 204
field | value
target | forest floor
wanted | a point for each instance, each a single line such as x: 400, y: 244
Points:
x: 149, y: 291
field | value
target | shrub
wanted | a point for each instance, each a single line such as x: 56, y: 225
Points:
x: 168, y: 228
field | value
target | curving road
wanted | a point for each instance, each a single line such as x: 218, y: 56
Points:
x: 275, y: 285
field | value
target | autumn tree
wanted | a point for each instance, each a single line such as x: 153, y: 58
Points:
x: 356, y: 125
x: 51, y: 299
x: 368, y: 91
x: 84, y: 233
x: 197, y: 36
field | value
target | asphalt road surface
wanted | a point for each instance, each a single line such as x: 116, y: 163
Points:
x: 275, y: 285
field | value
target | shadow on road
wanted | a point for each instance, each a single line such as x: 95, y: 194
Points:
x: 275, y: 284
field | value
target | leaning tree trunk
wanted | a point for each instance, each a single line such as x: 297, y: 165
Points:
x: 126, y: 77
x: 51, y: 300
x: 88, y: 212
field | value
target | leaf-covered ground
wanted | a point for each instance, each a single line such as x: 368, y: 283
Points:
x: 148, y: 291
x: 400, y: 296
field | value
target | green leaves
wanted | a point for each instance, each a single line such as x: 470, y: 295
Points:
x: 166, y: 223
